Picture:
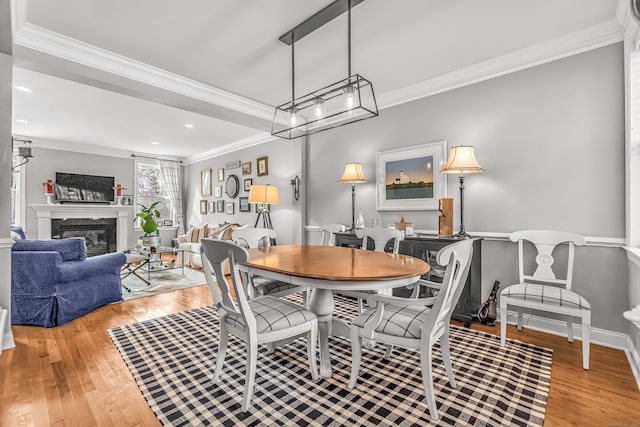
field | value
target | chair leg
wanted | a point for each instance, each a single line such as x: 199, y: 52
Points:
x: 356, y: 355
x: 586, y: 337
x: 446, y: 356
x: 570, y: 328
x: 519, y: 319
x: 427, y: 378
x: 387, y: 353
x: 312, y: 339
x: 503, y: 322
x: 222, y: 351
x: 252, y: 355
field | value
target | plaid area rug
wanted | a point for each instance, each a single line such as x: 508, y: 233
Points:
x: 172, y: 359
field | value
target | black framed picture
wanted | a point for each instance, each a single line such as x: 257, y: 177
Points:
x: 220, y: 205
x: 243, y: 204
x: 168, y: 223
x: 231, y: 208
x: 248, y: 182
x: 203, y: 207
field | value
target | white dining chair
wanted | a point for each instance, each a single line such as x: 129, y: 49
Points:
x: 261, y: 320
x: 256, y: 237
x: 381, y: 238
x: 542, y: 290
x: 416, y: 322
x: 328, y: 237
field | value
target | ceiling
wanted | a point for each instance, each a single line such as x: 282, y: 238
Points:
x: 233, y: 46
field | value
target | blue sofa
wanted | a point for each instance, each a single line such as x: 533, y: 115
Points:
x: 53, y: 281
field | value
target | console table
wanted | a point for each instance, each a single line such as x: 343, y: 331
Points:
x: 426, y: 247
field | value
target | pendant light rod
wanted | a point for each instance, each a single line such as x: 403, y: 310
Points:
x: 349, y: 37
x: 316, y: 21
x: 293, y: 71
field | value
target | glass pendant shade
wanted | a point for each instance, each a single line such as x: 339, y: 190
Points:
x: 346, y: 101
x: 462, y: 161
x: 268, y: 194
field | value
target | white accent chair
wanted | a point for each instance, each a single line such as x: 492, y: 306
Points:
x: 263, y: 319
x: 328, y: 237
x: 380, y: 237
x: 253, y: 238
x: 411, y: 323
x: 547, y: 293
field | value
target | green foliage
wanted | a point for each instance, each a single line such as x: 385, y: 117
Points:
x: 148, y: 216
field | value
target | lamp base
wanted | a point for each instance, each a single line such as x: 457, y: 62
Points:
x: 462, y: 235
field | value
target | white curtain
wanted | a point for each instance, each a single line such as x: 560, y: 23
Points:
x: 172, y: 178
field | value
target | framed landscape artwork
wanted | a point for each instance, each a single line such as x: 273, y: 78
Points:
x: 409, y: 178
x: 205, y: 182
x: 243, y: 204
x: 263, y: 166
x: 246, y: 168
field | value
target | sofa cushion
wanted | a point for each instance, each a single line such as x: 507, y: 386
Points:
x: 195, y: 235
x: 17, y: 231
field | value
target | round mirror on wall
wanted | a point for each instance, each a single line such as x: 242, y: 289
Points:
x: 635, y: 10
x: 232, y: 187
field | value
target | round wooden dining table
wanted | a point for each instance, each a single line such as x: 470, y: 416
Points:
x: 332, y: 268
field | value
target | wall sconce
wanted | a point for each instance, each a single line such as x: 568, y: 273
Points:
x: 24, y: 152
x: 295, y: 183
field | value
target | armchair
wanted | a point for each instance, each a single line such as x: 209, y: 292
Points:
x: 53, y: 281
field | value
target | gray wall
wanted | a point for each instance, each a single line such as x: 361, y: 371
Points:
x: 284, y: 164
x: 551, y: 139
x: 47, y: 162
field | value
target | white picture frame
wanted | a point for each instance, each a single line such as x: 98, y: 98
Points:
x: 409, y: 178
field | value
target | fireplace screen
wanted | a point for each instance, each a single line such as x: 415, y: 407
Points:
x: 100, y: 234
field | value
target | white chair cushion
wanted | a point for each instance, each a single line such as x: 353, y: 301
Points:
x: 543, y: 294
x: 269, y: 286
x: 397, y: 321
x: 272, y: 314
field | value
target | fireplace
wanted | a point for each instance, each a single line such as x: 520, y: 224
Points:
x: 100, y: 234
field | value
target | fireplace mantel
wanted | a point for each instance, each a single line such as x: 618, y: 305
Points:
x: 46, y: 212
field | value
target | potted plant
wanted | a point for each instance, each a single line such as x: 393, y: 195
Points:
x: 149, y: 225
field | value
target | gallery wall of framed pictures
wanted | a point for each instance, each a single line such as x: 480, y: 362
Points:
x: 216, y: 181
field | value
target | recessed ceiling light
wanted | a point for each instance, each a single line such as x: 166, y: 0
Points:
x: 22, y: 121
x: 155, y: 142
x: 189, y: 125
x: 23, y: 89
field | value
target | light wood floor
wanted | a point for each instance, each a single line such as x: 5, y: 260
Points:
x: 73, y: 375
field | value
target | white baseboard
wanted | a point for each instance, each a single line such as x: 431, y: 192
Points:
x: 634, y: 359
x: 7, y: 341
x: 602, y: 337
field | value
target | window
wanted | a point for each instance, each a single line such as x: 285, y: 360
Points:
x: 150, y: 190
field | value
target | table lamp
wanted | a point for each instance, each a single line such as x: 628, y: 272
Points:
x: 265, y: 195
x: 462, y: 161
x: 353, y: 175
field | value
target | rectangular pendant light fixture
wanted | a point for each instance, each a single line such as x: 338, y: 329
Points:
x: 346, y: 101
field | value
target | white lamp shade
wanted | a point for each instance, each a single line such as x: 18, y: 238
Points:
x: 264, y: 194
x: 462, y: 161
x: 353, y: 174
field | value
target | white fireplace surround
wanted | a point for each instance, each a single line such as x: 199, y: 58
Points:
x: 46, y: 212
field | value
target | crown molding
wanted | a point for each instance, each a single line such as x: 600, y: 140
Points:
x: 33, y: 37
x: 97, y: 150
x: 251, y: 141
x: 599, y: 35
